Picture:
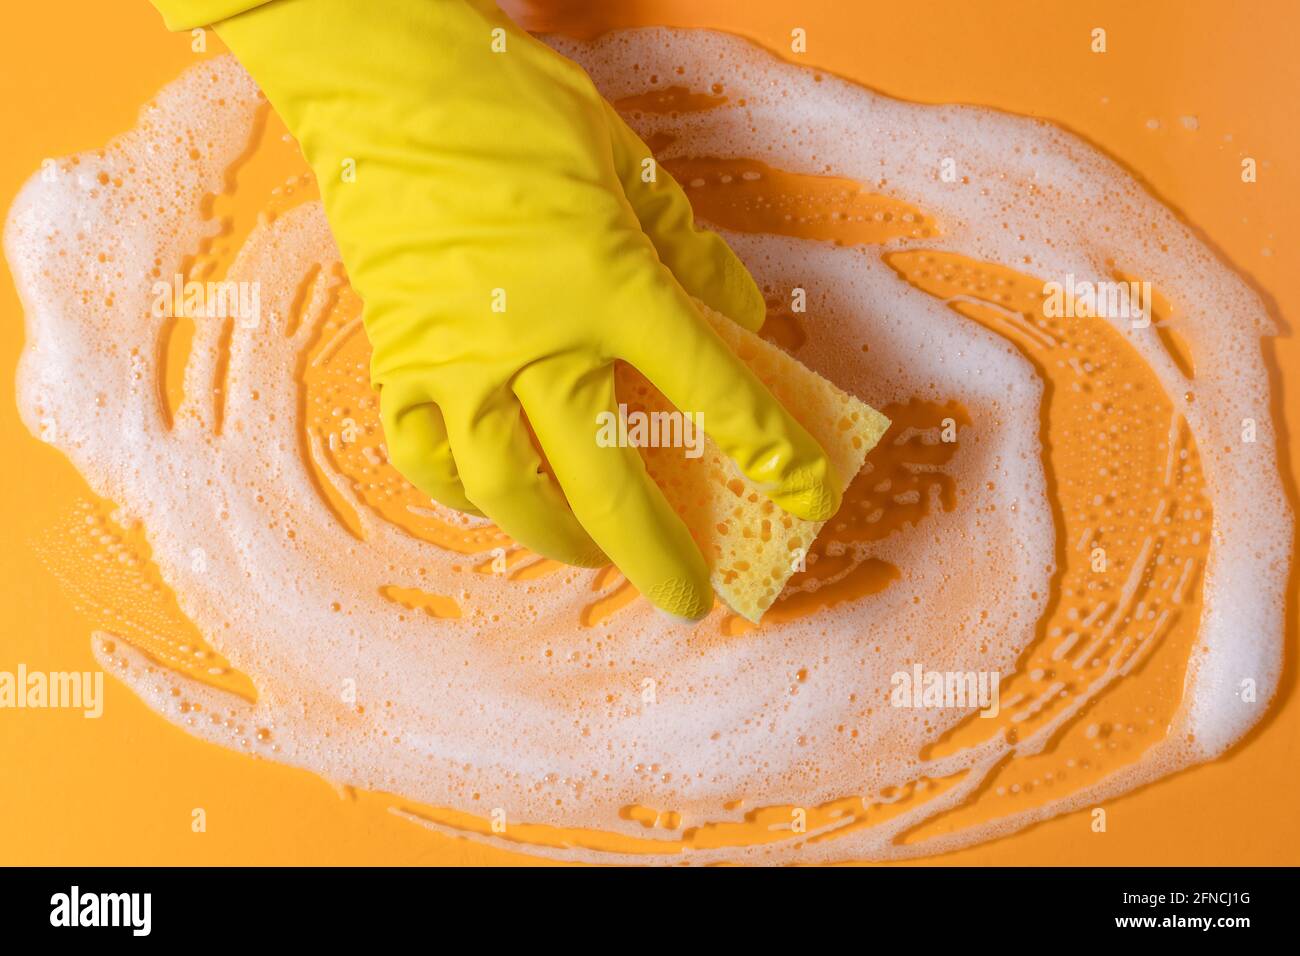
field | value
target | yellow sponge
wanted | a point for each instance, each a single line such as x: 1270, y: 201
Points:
x: 752, y: 546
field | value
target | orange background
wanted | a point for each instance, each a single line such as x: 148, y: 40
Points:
x: 120, y: 790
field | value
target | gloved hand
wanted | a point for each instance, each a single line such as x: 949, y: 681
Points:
x: 508, y: 251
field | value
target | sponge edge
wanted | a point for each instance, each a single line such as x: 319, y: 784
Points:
x: 751, y: 546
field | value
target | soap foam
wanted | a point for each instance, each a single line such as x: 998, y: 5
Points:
x: 513, y: 705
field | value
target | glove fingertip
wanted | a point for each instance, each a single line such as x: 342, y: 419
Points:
x: 810, y: 492
x: 687, y: 600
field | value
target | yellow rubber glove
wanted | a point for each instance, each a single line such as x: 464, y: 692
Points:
x: 508, y: 251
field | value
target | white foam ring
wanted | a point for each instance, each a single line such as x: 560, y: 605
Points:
x: 527, y: 711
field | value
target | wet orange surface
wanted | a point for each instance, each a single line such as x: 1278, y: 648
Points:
x: 1146, y: 576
